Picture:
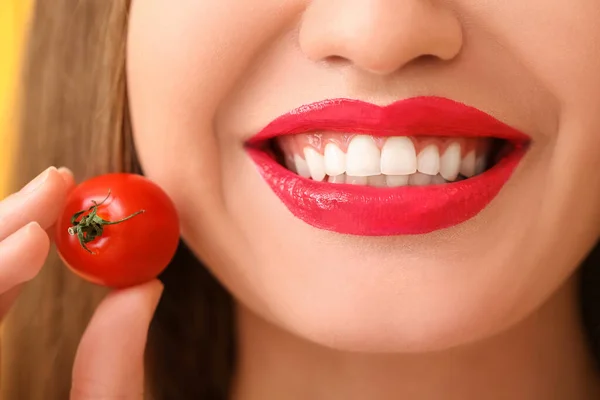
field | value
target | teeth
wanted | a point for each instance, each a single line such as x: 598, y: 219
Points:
x: 335, y: 160
x: 398, y: 157
x: 397, y: 164
x: 450, y: 162
x: 397, y: 180
x: 377, y: 181
x: 357, y: 180
x: 301, y: 166
x: 480, y: 164
x: 419, y: 179
x: 428, y: 160
x: 316, y: 163
x: 337, y: 178
x: 438, y: 180
x: 467, y: 167
x: 363, y: 157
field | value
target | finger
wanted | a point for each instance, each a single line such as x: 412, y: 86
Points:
x: 110, y: 360
x: 22, y: 255
x: 67, y: 176
x: 41, y: 200
x: 69, y: 182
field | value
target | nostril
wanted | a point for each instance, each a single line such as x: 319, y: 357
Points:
x: 426, y: 59
x: 336, y: 60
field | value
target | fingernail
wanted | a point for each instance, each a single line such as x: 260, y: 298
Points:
x: 66, y: 174
x: 37, y: 182
x: 65, y: 170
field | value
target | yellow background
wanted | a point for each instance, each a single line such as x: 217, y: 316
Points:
x: 13, y: 19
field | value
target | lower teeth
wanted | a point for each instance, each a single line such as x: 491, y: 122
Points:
x: 416, y: 179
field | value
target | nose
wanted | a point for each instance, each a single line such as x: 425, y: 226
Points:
x: 379, y: 36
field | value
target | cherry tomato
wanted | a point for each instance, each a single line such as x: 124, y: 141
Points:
x: 117, y: 230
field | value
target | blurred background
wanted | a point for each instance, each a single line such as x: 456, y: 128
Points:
x: 13, y: 25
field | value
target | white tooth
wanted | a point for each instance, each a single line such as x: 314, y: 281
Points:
x: 467, y: 166
x: 396, y: 180
x: 480, y: 164
x: 450, y: 162
x: 363, y: 157
x: 428, y: 160
x: 357, y: 180
x: 419, y: 179
x: 377, y: 181
x: 337, y: 179
x: 335, y: 160
x: 301, y: 166
x: 398, y: 156
x: 316, y: 163
x: 438, y: 180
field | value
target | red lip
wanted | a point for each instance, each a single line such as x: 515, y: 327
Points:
x: 371, y: 211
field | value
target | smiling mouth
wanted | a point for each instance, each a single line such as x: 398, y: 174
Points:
x: 386, y: 161
x: 415, y: 166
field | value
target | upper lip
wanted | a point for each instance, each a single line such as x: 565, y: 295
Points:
x: 417, y: 116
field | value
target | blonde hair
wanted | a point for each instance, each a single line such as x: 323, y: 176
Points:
x: 75, y: 113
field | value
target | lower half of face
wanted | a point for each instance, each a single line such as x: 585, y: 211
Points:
x: 406, y: 178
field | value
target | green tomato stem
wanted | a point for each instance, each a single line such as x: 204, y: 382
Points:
x: 91, y: 225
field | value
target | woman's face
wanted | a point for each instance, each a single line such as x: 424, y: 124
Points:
x: 206, y: 76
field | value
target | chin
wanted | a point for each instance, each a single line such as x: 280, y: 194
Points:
x: 403, y: 312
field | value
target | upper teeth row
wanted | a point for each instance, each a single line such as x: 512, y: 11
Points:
x: 397, y: 157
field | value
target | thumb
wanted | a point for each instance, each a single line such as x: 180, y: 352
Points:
x: 110, y: 359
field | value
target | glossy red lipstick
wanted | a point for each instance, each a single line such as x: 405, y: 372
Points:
x: 377, y: 211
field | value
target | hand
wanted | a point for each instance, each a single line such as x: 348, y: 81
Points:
x: 110, y: 359
x: 24, y: 218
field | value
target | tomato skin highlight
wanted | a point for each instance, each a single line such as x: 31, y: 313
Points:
x: 128, y: 253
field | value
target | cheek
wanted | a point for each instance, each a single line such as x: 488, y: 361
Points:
x: 554, y: 39
x: 182, y: 63
x: 170, y: 61
x: 171, y: 123
x: 567, y: 65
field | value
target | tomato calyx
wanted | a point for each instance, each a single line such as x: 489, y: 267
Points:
x: 91, y: 225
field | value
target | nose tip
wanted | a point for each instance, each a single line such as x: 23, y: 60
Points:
x: 379, y: 36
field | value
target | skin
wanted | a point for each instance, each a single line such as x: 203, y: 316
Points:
x: 484, y: 309
x: 206, y: 76
x: 212, y: 78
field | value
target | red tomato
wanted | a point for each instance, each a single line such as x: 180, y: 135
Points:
x: 119, y: 254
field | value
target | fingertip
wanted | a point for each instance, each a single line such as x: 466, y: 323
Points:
x: 115, y: 362
x: 151, y: 292
x: 146, y: 295
x: 32, y: 227
x: 67, y: 176
x: 35, y: 230
x: 155, y: 290
x: 32, y: 233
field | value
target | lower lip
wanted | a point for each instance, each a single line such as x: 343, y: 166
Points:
x: 373, y: 211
